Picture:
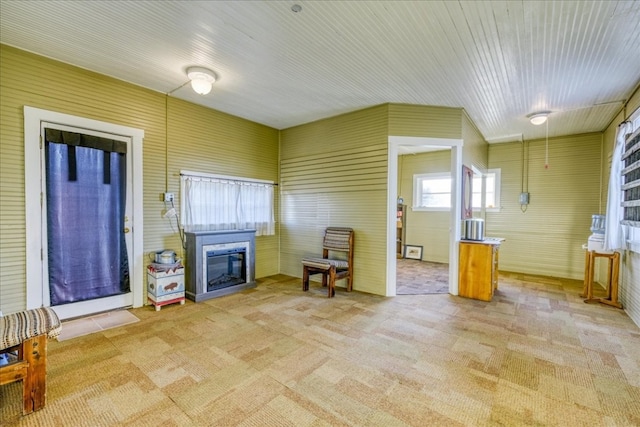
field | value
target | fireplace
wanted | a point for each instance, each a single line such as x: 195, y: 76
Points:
x: 219, y: 263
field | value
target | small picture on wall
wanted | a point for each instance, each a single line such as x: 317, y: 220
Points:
x: 413, y: 252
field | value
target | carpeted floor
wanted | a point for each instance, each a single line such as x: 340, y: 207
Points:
x: 415, y: 277
x: 536, y: 355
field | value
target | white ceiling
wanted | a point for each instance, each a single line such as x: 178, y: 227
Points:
x: 498, y: 60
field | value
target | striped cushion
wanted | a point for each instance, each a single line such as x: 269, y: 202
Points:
x: 17, y: 327
x: 325, y: 264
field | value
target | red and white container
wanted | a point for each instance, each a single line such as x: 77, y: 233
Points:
x: 165, y: 284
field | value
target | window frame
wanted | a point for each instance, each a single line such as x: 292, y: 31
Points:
x: 497, y: 172
x: 417, y: 194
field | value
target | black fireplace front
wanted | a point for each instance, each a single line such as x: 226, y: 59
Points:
x: 226, y: 268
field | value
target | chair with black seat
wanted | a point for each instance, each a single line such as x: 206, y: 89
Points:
x: 336, y: 239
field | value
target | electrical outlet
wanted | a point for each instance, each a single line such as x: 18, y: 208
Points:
x: 168, y: 197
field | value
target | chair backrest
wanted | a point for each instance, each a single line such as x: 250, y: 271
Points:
x: 338, y: 239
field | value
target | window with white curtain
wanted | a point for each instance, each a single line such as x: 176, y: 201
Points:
x: 216, y: 202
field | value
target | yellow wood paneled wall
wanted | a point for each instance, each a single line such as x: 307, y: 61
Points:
x: 334, y: 173
x: 203, y: 140
x: 431, y: 229
x: 425, y: 121
x: 475, y: 151
x: 197, y: 138
x: 630, y: 261
x: 547, y: 238
x: 425, y: 228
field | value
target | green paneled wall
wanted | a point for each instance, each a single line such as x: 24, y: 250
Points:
x: 547, y: 237
x: 475, y: 151
x: 198, y: 139
x: 425, y: 121
x: 334, y: 173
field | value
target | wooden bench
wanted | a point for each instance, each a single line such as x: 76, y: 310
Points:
x: 23, y: 342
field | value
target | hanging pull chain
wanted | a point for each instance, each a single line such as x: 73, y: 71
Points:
x: 546, y: 149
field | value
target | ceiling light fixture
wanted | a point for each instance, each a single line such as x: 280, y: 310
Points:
x: 201, y: 79
x: 538, y: 118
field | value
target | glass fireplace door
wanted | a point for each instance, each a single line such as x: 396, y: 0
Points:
x: 226, y: 268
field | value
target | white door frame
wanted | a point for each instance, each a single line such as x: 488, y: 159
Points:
x: 456, y: 203
x: 35, y: 227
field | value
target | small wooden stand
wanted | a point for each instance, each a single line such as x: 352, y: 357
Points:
x: 612, y: 278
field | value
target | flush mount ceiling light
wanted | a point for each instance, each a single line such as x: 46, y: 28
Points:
x: 538, y: 118
x: 201, y: 79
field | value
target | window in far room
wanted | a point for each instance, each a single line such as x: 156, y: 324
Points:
x: 432, y: 191
x: 492, y: 191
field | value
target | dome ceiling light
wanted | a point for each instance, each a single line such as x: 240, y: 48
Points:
x: 538, y: 118
x: 201, y: 79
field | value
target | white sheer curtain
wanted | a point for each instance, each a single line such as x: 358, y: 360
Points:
x: 614, y: 235
x: 222, y: 204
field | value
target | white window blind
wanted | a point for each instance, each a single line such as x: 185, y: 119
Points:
x: 214, y: 202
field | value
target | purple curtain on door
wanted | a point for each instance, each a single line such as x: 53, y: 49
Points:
x: 86, y: 193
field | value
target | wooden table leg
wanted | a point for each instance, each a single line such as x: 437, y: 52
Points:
x: 305, y: 278
x: 609, y: 277
x: 587, y: 260
x: 613, y: 295
x: 589, y: 285
x: 612, y: 288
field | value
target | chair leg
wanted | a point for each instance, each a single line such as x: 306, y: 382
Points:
x: 305, y: 278
x: 331, y: 290
x: 34, y: 385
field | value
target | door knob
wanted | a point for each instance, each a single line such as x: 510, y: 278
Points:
x: 126, y: 229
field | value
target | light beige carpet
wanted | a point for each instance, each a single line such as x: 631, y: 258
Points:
x: 536, y: 355
x: 99, y: 322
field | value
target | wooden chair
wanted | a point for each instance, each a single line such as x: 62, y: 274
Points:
x: 336, y: 239
x: 23, y: 346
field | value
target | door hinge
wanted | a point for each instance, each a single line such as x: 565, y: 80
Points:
x: 41, y: 254
x: 41, y: 197
x: 41, y: 142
